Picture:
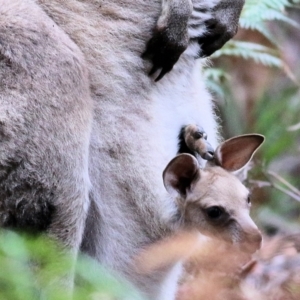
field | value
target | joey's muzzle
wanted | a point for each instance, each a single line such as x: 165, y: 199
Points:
x: 251, y: 237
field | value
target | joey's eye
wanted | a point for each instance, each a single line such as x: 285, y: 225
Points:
x: 214, y: 212
x: 249, y: 199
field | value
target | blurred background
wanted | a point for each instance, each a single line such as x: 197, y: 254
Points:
x: 255, y: 79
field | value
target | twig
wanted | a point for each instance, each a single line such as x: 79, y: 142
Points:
x: 287, y: 192
x: 260, y: 183
x: 286, y: 183
x: 294, y: 127
x: 290, y: 190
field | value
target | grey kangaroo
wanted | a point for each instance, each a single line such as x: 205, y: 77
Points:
x: 85, y: 132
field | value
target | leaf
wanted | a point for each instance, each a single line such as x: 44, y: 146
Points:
x: 256, y: 13
x: 272, y: 15
x: 260, y: 27
x: 260, y: 54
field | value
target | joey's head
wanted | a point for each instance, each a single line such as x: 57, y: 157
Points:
x: 212, y: 199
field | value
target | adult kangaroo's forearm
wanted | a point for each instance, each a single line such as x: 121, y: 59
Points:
x: 222, y: 26
x: 170, y: 36
x: 184, y: 23
x: 175, y: 10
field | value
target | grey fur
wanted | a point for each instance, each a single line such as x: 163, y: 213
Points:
x: 45, y: 120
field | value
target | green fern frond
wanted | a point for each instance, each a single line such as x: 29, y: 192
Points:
x: 256, y: 16
x: 271, y: 15
x: 215, y: 79
x: 258, y: 6
x: 260, y: 27
x: 260, y: 54
x: 257, y: 12
x: 216, y: 74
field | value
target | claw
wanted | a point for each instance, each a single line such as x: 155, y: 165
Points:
x: 153, y: 70
x: 208, y: 156
x: 161, y: 75
x: 163, y: 72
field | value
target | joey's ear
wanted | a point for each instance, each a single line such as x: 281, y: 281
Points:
x: 180, y: 173
x: 235, y: 153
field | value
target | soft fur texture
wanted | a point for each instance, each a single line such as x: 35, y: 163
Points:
x: 77, y: 105
x: 45, y: 123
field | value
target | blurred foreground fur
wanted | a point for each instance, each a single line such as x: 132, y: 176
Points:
x: 214, y: 269
x: 217, y: 270
x: 275, y: 272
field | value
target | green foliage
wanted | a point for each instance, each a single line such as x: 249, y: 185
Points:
x: 273, y: 116
x: 259, y: 53
x: 216, y: 78
x: 256, y: 15
x: 276, y: 110
x: 36, y: 268
x: 257, y: 12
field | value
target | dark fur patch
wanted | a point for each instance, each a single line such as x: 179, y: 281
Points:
x: 89, y: 244
x: 182, y: 146
x: 26, y: 203
x: 163, y: 51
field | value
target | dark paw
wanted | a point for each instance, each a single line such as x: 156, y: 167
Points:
x: 164, y: 51
x: 215, y: 38
x: 221, y: 27
x: 193, y: 140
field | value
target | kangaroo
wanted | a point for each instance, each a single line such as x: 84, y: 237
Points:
x: 85, y: 132
x: 211, y: 200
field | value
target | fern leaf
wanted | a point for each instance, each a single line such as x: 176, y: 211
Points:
x: 256, y: 52
x: 260, y: 27
x: 215, y: 74
x: 257, y: 12
x: 215, y: 79
x: 271, y: 15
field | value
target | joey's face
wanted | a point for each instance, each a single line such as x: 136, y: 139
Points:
x: 214, y: 200
x: 218, y: 204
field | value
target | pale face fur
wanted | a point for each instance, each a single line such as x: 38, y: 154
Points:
x: 217, y: 187
x: 212, y: 199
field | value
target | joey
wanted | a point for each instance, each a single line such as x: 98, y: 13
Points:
x: 212, y: 199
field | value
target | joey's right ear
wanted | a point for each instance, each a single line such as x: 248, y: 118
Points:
x: 233, y: 154
x: 180, y: 174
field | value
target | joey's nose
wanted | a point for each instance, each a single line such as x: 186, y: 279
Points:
x: 257, y: 240
x: 253, y: 241
x: 251, y: 237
